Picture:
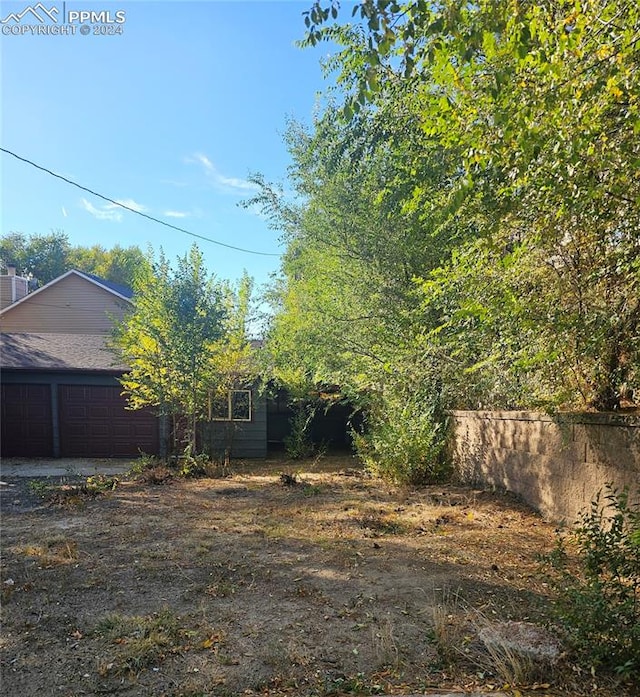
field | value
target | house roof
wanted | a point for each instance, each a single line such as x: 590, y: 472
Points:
x: 120, y: 291
x: 65, y: 352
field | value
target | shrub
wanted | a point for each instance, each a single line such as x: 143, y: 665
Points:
x: 405, y: 439
x: 599, y: 602
x: 298, y: 443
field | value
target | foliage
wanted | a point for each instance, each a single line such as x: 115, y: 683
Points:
x: 531, y: 113
x: 45, y: 257
x: 137, y: 642
x: 118, y: 264
x: 233, y: 360
x: 298, y: 443
x: 599, y: 603
x: 341, y: 307
x: 151, y: 470
x: 168, y: 340
x: 467, y: 207
x: 186, y: 341
x: 73, y: 493
x: 406, y: 438
x: 233, y: 364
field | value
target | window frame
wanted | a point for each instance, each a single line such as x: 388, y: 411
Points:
x: 229, y: 416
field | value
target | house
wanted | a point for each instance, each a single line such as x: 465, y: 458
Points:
x: 60, y: 394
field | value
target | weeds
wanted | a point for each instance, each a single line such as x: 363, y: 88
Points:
x: 153, y: 470
x: 406, y: 438
x: 39, y: 488
x: 598, y: 603
x: 354, y: 684
x: 54, y: 551
x: 385, y: 645
x: 73, y: 494
x: 377, y: 524
x: 298, y: 443
x: 446, y: 631
x: 141, y: 641
x: 516, y: 652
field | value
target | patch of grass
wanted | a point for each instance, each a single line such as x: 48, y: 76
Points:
x: 385, y: 645
x: 379, y: 523
x: 357, y: 684
x: 446, y: 632
x: 53, y: 551
x: 513, y: 667
x: 70, y: 494
x: 310, y: 490
x: 139, y: 642
x: 39, y: 487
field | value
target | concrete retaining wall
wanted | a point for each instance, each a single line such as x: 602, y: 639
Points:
x: 555, y: 463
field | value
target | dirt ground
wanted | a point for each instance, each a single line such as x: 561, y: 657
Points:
x: 327, y: 582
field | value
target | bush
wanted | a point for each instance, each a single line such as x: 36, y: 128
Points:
x: 298, y: 443
x: 405, y: 439
x: 599, y: 602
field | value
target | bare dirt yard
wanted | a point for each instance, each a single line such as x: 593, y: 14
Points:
x: 322, y: 583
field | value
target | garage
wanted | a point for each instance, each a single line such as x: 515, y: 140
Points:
x: 94, y: 422
x: 27, y: 427
x: 61, y: 397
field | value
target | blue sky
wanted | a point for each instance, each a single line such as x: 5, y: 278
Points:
x: 170, y: 117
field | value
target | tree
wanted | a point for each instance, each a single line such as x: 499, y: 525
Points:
x: 537, y: 104
x: 466, y: 225
x: 42, y: 258
x: 342, y: 304
x: 233, y: 363
x: 118, y: 264
x: 169, y: 340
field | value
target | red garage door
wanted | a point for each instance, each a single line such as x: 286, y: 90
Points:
x: 26, y: 421
x: 95, y: 423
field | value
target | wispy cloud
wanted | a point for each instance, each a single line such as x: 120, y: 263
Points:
x: 129, y: 203
x: 64, y: 211
x: 222, y: 182
x: 112, y: 211
x: 176, y: 214
x: 104, y: 212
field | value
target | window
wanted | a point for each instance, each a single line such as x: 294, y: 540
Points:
x: 234, y: 406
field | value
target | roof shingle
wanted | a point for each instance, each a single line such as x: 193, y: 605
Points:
x: 67, y: 352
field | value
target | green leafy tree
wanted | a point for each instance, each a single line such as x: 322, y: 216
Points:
x: 536, y: 104
x: 342, y: 304
x: 118, y: 264
x: 45, y: 257
x: 233, y: 361
x: 41, y: 257
x: 169, y: 340
x: 465, y: 222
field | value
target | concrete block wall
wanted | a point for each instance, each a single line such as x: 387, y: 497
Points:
x: 556, y: 463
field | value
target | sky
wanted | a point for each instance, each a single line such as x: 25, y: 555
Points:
x: 168, y: 112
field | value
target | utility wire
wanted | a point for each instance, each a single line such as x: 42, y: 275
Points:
x: 133, y: 210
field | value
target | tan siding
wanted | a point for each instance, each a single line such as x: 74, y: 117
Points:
x: 73, y: 305
x: 12, y: 288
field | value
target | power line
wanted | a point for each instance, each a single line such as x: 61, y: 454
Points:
x: 133, y: 210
